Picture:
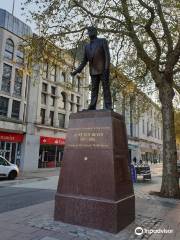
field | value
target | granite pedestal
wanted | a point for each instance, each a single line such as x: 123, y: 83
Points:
x: 95, y: 188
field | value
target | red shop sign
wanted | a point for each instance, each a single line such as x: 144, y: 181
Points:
x: 52, y: 141
x: 11, y: 137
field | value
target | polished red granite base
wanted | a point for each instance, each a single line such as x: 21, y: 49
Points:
x: 95, y: 189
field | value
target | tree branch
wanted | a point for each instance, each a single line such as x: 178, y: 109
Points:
x: 176, y: 87
x: 164, y: 25
x: 174, y: 57
x: 140, y: 50
x: 78, y: 4
x: 150, y: 32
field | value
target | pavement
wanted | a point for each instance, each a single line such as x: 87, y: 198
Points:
x: 157, y: 218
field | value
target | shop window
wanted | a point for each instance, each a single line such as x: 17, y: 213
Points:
x: 9, y: 49
x: 4, y: 106
x: 18, y: 82
x: 20, y: 55
x: 61, y: 118
x: 15, y: 109
x: 6, y: 78
x: 42, y: 114
x: 51, y: 116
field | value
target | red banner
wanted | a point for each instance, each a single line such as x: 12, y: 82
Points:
x: 11, y: 137
x: 52, y: 141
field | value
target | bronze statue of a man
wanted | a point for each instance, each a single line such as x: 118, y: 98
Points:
x: 97, y: 54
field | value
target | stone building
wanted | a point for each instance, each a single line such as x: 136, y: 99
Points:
x: 34, y: 109
x: 143, y: 123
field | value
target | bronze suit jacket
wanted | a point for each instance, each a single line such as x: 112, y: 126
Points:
x: 97, y: 54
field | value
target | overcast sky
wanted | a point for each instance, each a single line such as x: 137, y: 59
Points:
x: 8, y: 5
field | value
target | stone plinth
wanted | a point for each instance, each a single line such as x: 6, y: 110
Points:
x: 95, y: 189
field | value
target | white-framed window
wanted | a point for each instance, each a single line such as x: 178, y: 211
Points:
x: 6, y: 78
x: 9, y: 49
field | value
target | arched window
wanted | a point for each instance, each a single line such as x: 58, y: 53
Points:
x: 9, y: 49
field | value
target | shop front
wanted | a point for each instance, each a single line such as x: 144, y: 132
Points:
x: 10, y: 146
x: 51, y: 152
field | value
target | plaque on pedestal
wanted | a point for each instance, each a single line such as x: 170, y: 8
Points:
x: 95, y: 188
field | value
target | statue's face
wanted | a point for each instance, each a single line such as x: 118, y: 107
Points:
x: 92, y: 32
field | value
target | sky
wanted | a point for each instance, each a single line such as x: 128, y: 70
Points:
x: 8, y: 5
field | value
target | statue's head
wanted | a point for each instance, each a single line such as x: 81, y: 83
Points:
x: 92, y: 32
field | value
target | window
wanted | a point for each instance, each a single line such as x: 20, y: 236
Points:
x: 63, y: 76
x: 44, y: 87
x: 24, y: 113
x: 20, y: 55
x: 72, y: 97
x: 42, y: 114
x: 78, y: 104
x: 45, y: 70
x: 26, y: 87
x: 9, y: 49
x: 4, y: 106
x: 71, y: 106
x: 78, y: 83
x: 15, y: 109
x: 53, y: 90
x: 52, y: 101
x: 51, y: 116
x: 6, y: 78
x: 18, y: 82
x: 43, y: 98
x: 63, y: 100
x: 61, y: 118
x: 44, y: 93
x: 53, y: 73
x: 4, y: 162
x: 143, y: 127
x: 147, y: 128
x: 78, y: 100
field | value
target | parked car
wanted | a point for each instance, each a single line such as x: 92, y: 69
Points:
x: 143, y: 170
x: 7, y: 169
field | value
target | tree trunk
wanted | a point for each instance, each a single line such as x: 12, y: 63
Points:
x: 170, y: 181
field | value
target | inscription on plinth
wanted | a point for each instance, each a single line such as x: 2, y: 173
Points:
x: 89, y: 138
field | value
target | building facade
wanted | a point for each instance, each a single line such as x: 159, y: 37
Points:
x: 144, y: 126
x: 34, y: 109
